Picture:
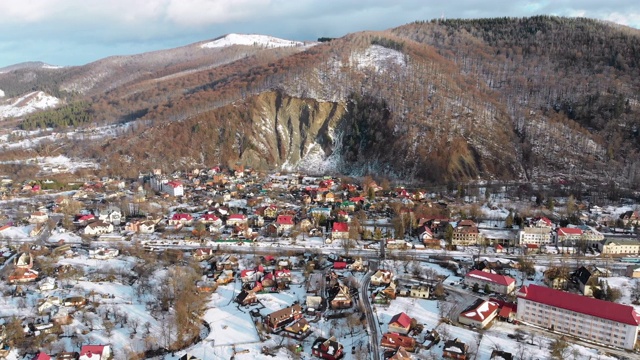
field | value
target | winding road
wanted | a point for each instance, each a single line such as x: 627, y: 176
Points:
x: 371, y: 319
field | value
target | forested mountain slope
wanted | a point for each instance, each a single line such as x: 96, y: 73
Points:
x: 431, y: 101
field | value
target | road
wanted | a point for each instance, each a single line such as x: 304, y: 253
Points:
x: 371, y: 318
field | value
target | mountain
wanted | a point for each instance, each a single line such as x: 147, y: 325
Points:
x: 508, y: 98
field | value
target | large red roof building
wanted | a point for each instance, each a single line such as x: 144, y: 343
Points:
x: 596, y: 320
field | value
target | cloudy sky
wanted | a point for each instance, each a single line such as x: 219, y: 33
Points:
x: 74, y: 32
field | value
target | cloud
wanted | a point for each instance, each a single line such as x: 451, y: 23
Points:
x: 68, y: 32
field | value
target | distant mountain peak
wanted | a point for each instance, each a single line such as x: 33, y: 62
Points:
x: 250, y: 40
x: 29, y: 65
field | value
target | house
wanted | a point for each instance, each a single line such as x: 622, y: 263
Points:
x: 298, y: 329
x: 210, y: 219
x: 202, y: 254
x: 329, y: 349
x: 98, y: 228
x: 278, y: 319
x: 285, y: 223
x: 147, y: 227
x: 633, y: 271
x: 251, y: 275
x: 583, y: 276
x: 103, y: 253
x: 237, y: 220
x: 400, y: 323
x: 419, y: 291
x: 400, y: 354
x: 246, y: 297
x: 38, y: 217
x: 500, y: 284
x: 46, y: 284
x: 630, y: 217
x: 466, y: 233
x: 340, y: 230
x: 225, y: 277
x: 95, y: 352
x: 83, y: 219
x: 342, y: 300
x: 381, y: 277
x: 395, y: 341
x: 595, y: 320
x: 23, y: 261
x: 426, y: 237
x: 454, y: 349
x: 22, y: 276
x: 111, y: 215
x: 48, y: 302
x: 380, y: 298
x: 556, y: 278
x: 479, y: 314
x: 143, y: 227
x: 181, y: 219
x: 568, y: 236
x: 283, y: 276
x: 74, y: 301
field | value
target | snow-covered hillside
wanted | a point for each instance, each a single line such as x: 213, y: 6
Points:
x: 250, y: 40
x: 378, y: 57
x: 26, y: 104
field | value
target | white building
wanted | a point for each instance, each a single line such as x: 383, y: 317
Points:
x: 173, y: 188
x: 98, y: 228
x: 535, y: 235
x: 584, y: 317
x: 480, y: 314
x: 619, y: 246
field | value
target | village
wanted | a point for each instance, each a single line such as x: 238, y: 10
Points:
x: 222, y: 263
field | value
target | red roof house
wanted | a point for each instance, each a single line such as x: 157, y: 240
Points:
x: 95, y: 352
x: 42, y: 356
x: 340, y: 230
x: 395, y: 341
x: 497, y: 283
x: 400, y: 323
x: 180, y: 218
x: 480, y: 314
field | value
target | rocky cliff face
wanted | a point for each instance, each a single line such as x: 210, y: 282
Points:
x: 291, y: 132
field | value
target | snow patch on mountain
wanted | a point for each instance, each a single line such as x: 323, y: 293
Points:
x: 377, y: 57
x: 1, y: 93
x: 250, y: 40
x: 26, y: 104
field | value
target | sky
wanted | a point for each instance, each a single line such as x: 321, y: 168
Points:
x: 76, y: 32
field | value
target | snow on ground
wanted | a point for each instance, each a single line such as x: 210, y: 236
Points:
x: 67, y: 237
x: 626, y: 286
x: 377, y: 57
x: 316, y: 161
x: 426, y: 313
x: 27, y: 104
x: 17, y: 233
x: 56, y: 164
x: 250, y: 40
x: 498, y: 213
